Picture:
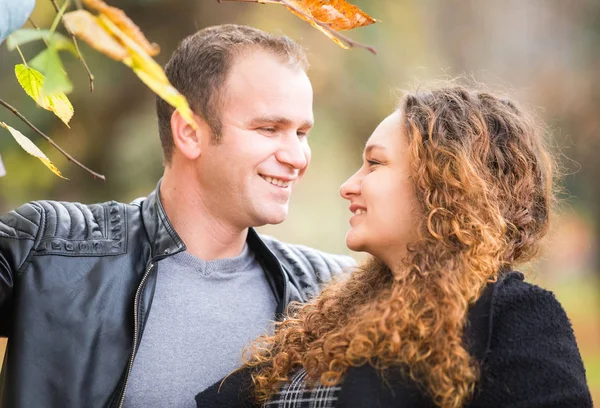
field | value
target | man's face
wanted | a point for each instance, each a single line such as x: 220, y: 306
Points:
x: 266, y: 114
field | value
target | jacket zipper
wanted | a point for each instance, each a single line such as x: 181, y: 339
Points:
x: 136, y: 302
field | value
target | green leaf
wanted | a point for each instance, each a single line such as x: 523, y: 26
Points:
x: 61, y: 43
x: 25, y: 35
x: 32, y: 82
x: 32, y: 149
x: 59, y: 16
x: 49, y: 63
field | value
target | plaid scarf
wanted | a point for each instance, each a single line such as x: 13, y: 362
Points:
x: 296, y: 394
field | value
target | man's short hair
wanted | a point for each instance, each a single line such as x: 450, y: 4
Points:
x: 199, y: 67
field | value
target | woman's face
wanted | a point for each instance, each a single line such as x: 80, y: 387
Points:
x: 381, y: 195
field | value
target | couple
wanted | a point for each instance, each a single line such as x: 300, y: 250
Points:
x: 150, y: 304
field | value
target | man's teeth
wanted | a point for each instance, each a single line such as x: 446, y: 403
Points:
x: 277, y: 182
x: 359, y: 212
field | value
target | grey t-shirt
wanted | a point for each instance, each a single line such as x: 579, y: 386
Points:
x: 202, y: 315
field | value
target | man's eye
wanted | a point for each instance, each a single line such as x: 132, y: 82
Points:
x: 268, y: 129
x: 302, y: 134
x: 373, y: 162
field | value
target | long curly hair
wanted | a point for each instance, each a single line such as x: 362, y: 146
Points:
x: 484, y: 180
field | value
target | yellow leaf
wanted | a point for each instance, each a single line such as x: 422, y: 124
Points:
x: 86, y: 26
x: 32, y: 149
x: 169, y: 94
x: 150, y: 72
x: 61, y: 106
x: 32, y: 82
x: 120, y: 19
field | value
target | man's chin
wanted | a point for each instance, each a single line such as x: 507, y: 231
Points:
x: 273, y: 217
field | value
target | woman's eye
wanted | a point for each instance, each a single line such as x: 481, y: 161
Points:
x: 373, y: 162
x: 268, y: 129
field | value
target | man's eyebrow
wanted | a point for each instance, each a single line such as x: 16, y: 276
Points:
x: 280, y: 120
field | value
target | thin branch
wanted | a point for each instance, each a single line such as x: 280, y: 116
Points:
x: 38, y: 28
x: 79, y: 54
x: 21, y: 54
x: 347, y: 40
x: 42, y: 134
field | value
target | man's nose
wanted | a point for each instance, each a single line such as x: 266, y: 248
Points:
x: 294, y: 152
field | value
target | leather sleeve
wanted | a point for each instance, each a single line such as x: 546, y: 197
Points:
x: 19, y: 230
x: 533, y: 359
x: 309, y: 268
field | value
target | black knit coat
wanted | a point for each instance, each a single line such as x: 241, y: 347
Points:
x: 518, y: 332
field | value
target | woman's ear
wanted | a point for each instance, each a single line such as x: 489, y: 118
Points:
x: 187, y: 140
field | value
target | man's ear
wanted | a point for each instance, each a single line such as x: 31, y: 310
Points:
x: 188, y: 141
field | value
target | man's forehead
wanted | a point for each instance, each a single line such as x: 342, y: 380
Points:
x: 267, y: 89
x: 255, y: 66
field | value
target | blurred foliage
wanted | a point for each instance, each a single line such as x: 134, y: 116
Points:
x: 544, y: 52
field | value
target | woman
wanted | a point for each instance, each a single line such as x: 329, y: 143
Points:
x: 454, y: 192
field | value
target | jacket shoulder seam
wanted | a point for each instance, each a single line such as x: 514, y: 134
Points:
x: 36, y: 238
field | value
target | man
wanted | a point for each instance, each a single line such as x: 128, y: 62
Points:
x: 147, y: 304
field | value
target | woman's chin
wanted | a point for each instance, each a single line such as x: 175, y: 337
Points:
x: 354, y: 243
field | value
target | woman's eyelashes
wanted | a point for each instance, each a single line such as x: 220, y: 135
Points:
x: 373, y: 163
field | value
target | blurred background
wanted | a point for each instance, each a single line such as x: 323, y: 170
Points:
x: 546, y: 53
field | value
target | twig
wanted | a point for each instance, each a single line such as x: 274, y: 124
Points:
x: 37, y: 28
x: 42, y: 134
x: 21, y: 54
x: 349, y: 42
x: 33, y: 24
x: 79, y: 54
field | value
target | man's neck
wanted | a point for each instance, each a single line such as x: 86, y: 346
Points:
x: 204, y: 234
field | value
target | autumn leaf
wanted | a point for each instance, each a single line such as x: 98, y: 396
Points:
x: 150, y: 72
x: 32, y: 149
x: 338, y: 14
x: 328, y: 16
x: 124, y: 23
x: 329, y: 34
x: 86, y: 26
x: 108, y: 37
x: 32, y: 82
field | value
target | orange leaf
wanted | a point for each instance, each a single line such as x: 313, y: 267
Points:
x: 128, y: 27
x: 338, y: 14
x: 87, y: 27
x: 321, y: 29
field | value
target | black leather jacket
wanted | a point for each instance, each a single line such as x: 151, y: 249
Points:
x: 76, y: 286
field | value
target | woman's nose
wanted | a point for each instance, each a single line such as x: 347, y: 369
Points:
x: 351, y: 187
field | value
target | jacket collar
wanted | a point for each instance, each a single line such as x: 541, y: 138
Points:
x: 164, y: 242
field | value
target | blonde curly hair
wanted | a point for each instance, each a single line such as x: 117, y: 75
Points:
x: 484, y: 179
